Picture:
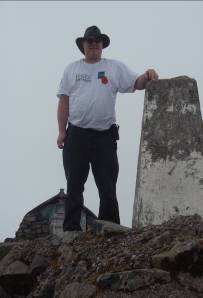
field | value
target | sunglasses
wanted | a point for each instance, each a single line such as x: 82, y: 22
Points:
x: 90, y: 40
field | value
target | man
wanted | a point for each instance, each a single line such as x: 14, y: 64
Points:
x: 87, y: 96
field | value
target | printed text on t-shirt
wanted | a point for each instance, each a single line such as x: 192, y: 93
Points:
x: 83, y: 77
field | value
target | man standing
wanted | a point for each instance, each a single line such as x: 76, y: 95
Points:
x: 88, y: 132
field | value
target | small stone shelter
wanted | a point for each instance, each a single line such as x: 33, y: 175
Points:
x: 47, y: 218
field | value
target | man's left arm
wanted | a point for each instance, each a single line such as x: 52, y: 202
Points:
x: 142, y: 80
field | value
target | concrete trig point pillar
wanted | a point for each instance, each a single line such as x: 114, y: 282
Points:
x: 170, y: 166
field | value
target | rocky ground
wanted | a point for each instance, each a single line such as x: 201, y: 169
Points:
x: 156, y: 261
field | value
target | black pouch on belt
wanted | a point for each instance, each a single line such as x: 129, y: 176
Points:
x: 114, y: 130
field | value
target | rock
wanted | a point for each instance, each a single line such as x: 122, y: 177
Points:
x: 82, y: 267
x: 169, y: 290
x: 67, y: 254
x: 132, y: 280
x: 44, y: 288
x: 48, y: 291
x: 78, y: 290
x: 17, y: 267
x: 159, y: 240
x: 38, y: 265
x: 9, y: 240
x: 3, y: 294
x: 55, y: 240
x: 179, y: 258
x: 4, y: 250
x: 14, y: 254
x: 107, y: 227
x: 16, y: 280
x: 197, y: 266
x: 69, y: 236
x: 199, y: 229
x: 118, y: 260
x: 189, y: 282
x: 17, y: 284
x: 200, y: 243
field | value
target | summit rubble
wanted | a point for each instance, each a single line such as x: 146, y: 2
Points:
x: 113, y: 261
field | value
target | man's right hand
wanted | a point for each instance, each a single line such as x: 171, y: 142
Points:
x: 60, y: 139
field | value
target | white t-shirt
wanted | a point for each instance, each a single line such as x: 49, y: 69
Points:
x: 92, y: 90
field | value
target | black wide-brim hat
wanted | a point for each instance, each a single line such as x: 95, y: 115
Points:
x: 92, y: 31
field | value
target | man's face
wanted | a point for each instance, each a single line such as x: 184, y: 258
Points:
x: 93, y: 48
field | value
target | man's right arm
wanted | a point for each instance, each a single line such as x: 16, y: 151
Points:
x: 62, y: 116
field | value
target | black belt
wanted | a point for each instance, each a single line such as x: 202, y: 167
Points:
x: 113, y: 130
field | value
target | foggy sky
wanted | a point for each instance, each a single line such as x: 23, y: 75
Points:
x: 37, y: 42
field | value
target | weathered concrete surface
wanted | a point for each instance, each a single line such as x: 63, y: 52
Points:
x: 170, y: 165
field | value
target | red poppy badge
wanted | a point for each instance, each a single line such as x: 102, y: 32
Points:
x: 104, y: 80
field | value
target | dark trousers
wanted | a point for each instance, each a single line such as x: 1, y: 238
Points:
x: 82, y: 148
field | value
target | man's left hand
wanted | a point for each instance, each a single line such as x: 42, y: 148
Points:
x: 150, y: 75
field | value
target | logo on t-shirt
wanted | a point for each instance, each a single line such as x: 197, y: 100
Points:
x: 83, y: 77
x: 102, y: 77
